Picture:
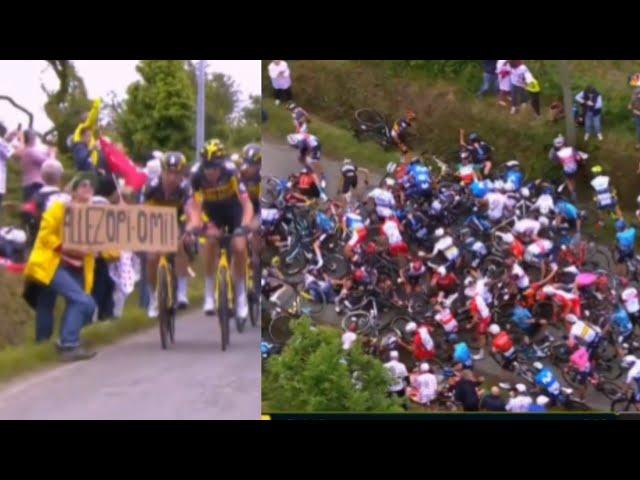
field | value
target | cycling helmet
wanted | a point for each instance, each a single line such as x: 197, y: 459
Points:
x: 558, y: 142
x: 235, y: 158
x: 571, y: 318
x: 157, y: 154
x: 292, y: 106
x: 494, y: 329
x: 620, y: 225
x: 469, y: 242
x: 416, y: 160
x: 275, y: 262
x: 524, y: 192
x: 538, y: 365
x: 213, y: 149
x: 393, y: 355
x: 465, y: 155
x: 521, y: 388
x: 474, y: 137
x: 629, y: 361
x: 439, y: 232
x: 359, y: 275
x: 541, y: 401
x: 512, y: 164
x: 596, y: 169
x: 389, y: 182
x: 173, y: 161
x: 442, y: 271
x: 252, y: 154
x: 391, y: 167
x: 424, y: 367
x: 508, y: 238
x: 411, y: 327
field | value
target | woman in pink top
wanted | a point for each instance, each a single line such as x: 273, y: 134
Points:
x: 31, y: 156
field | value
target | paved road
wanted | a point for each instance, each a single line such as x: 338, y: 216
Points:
x: 136, y: 379
x: 280, y: 160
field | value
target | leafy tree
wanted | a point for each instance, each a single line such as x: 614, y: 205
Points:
x: 314, y: 374
x: 159, y: 111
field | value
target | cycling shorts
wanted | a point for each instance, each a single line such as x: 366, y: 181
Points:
x: 349, y: 183
x: 227, y: 215
x: 624, y: 255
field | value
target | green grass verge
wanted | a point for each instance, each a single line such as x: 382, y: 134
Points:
x: 21, y: 358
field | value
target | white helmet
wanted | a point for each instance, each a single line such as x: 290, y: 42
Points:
x: 521, y: 388
x: 549, y: 290
x: 235, y: 157
x: 442, y: 271
x: 391, y: 167
x: 389, y: 182
x: 571, y: 318
x: 393, y: 354
x: 512, y: 164
x: 542, y: 400
x: 424, y: 367
x: 524, y: 192
x: 411, y: 327
x: 439, y: 232
x: 538, y: 365
x: 629, y: 360
x: 494, y: 329
x: 544, y: 221
x: 13, y: 234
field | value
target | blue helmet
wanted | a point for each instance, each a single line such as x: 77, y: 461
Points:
x: 620, y: 225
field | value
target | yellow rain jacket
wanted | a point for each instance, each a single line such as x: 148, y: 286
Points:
x: 46, y: 254
x: 92, y: 121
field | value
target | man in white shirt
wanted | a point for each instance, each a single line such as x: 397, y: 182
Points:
x: 281, y: 80
x: 629, y: 298
x: 526, y: 229
x: 349, y: 337
x: 519, y: 401
x: 384, y: 199
x: 495, y: 202
x: 399, y: 374
x: 425, y: 386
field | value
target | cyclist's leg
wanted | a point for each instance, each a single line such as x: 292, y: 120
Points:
x: 239, y: 257
x: 152, y: 276
x: 211, y: 259
x: 181, y: 264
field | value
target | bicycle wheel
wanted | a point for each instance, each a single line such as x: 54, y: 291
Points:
x: 164, y: 304
x: 609, y: 369
x: 571, y: 377
x: 360, y: 318
x: 270, y: 190
x: 418, y: 304
x: 369, y: 118
x: 559, y: 353
x: 609, y: 389
x: 292, y: 263
x: 624, y: 405
x: 224, y: 309
x: 573, y: 405
x: 280, y: 329
x: 335, y: 266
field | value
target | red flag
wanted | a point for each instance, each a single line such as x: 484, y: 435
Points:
x: 122, y: 166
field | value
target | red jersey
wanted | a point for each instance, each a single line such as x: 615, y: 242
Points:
x: 502, y: 343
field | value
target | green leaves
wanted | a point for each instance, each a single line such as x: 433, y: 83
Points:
x: 314, y: 374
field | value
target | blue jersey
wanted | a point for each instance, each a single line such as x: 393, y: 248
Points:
x: 620, y: 319
x: 514, y: 177
x: 324, y: 223
x: 480, y: 188
x: 354, y: 222
x: 626, y: 239
x: 537, y: 408
x: 567, y: 210
x: 546, y: 380
x: 462, y: 354
x: 521, y: 317
x: 421, y: 176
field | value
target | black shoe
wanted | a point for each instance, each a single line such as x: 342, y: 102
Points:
x: 209, y: 313
x: 75, y: 354
x: 183, y: 305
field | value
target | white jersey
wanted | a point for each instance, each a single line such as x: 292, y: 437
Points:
x: 519, y: 404
x: 604, y: 196
x: 526, y: 226
x: 630, y: 299
x: 392, y: 232
x: 544, y: 204
x: 446, y: 319
x: 539, y: 247
x: 348, y: 339
x: 446, y: 246
x: 398, y: 373
x: 384, y: 200
x: 633, y: 375
x: 427, y: 341
x: 269, y: 215
x: 583, y: 331
x: 496, y: 205
x: 522, y: 279
x: 427, y: 386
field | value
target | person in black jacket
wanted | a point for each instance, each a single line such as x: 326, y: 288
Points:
x: 466, y: 391
x: 489, y: 78
x: 493, y: 402
x: 82, y: 154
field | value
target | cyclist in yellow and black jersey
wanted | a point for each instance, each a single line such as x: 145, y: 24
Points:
x: 222, y: 201
x: 168, y: 190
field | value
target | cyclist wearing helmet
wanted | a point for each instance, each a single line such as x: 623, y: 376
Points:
x: 383, y: 199
x: 605, y: 197
x: 250, y: 173
x: 445, y: 246
x: 300, y: 118
x: 412, y: 273
x: 583, y: 334
x: 465, y: 170
x: 629, y: 297
x: 221, y: 198
x: 547, y: 382
x: 514, y: 176
x: 632, y: 381
x: 422, y: 345
x: 419, y: 180
x: 309, y: 152
x: 569, y: 158
x: 625, y: 243
x: 168, y: 190
x: 480, y: 151
x: 349, y: 177
x: 621, y: 324
x: 445, y: 282
x: 568, y: 213
x: 462, y: 356
x: 502, y: 344
x: 354, y: 225
x: 399, y: 131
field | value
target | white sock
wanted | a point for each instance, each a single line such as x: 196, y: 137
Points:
x: 182, y: 288
x: 209, y: 285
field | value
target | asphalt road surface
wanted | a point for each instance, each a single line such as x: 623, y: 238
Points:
x: 281, y: 160
x: 135, y: 379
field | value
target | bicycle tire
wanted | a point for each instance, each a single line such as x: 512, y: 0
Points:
x: 573, y: 405
x: 370, y: 118
x: 162, y: 292
x: 609, y: 389
x: 624, y: 405
x: 571, y: 377
x: 255, y: 307
x: 335, y: 266
x: 361, y: 318
x: 224, y: 311
x: 294, y: 264
x: 280, y: 329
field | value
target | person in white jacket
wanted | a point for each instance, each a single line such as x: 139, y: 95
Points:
x: 503, y: 69
x: 281, y: 80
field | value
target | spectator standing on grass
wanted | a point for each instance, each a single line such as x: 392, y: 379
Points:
x: 503, y: 71
x: 466, y: 392
x: 493, y: 402
x: 399, y: 374
x: 533, y: 90
x: 634, y: 106
x: 31, y: 157
x: 518, y: 84
x: 591, y: 101
x: 280, y: 80
x: 489, y: 78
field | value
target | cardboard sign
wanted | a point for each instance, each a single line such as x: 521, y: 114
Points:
x: 138, y: 228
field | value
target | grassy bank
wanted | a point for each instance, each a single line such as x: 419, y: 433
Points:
x: 444, y: 102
